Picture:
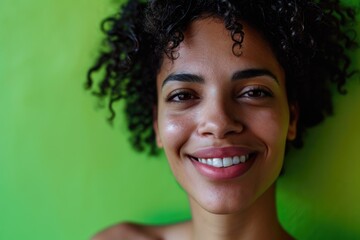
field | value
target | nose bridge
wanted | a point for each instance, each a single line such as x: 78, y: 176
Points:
x: 217, y: 118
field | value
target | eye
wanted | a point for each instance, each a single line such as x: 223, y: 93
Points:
x: 181, y: 96
x: 256, y: 92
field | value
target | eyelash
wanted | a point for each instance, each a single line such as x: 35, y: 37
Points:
x: 181, y: 94
x: 257, y: 90
x: 185, y: 95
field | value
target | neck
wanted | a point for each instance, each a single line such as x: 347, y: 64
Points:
x: 259, y: 221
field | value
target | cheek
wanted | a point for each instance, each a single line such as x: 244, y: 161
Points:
x: 175, y: 130
x: 271, y: 126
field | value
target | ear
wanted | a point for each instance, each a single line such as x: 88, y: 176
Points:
x: 156, y: 127
x: 294, y: 116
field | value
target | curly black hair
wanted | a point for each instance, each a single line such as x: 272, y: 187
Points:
x: 310, y: 39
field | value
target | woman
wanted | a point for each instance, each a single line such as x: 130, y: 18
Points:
x: 223, y: 87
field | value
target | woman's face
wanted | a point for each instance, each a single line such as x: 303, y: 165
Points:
x: 223, y: 120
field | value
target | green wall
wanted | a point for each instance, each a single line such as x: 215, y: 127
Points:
x: 65, y: 173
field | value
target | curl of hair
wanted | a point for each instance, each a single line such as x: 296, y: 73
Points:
x: 310, y: 40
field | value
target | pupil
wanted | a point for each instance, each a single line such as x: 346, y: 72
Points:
x: 255, y: 93
x: 183, y: 96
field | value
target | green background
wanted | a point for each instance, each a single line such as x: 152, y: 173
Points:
x: 65, y: 172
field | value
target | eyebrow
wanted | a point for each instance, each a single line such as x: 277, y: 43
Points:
x: 252, y: 73
x: 239, y: 75
x: 183, y: 77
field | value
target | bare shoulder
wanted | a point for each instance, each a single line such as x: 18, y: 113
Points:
x: 125, y: 231
x: 134, y: 231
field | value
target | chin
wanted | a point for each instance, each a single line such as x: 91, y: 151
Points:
x: 223, y: 201
x: 231, y: 198
x: 227, y: 208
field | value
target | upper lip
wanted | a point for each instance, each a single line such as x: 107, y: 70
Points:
x: 221, y: 152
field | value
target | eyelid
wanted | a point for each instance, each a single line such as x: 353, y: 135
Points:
x: 264, y: 89
x: 170, y: 97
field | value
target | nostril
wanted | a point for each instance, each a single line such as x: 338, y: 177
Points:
x: 218, y: 119
x: 220, y: 130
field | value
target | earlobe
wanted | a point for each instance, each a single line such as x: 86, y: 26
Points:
x: 156, y: 128
x: 294, y: 116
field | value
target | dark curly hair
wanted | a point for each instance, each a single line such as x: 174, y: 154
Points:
x: 309, y: 38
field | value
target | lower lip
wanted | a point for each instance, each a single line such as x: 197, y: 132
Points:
x: 224, y: 173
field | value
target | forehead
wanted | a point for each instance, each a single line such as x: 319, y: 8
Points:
x: 208, y: 49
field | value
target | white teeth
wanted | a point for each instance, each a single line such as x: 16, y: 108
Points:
x: 236, y: 160
x: 224, y: 162
x: 227, y: 162
x: 217, y: 162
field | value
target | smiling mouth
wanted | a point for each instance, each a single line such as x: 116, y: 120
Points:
x: 224, y: 162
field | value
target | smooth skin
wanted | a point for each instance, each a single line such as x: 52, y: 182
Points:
x: 209, y: 98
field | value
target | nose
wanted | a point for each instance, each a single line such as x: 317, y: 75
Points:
x: 219, y: 119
